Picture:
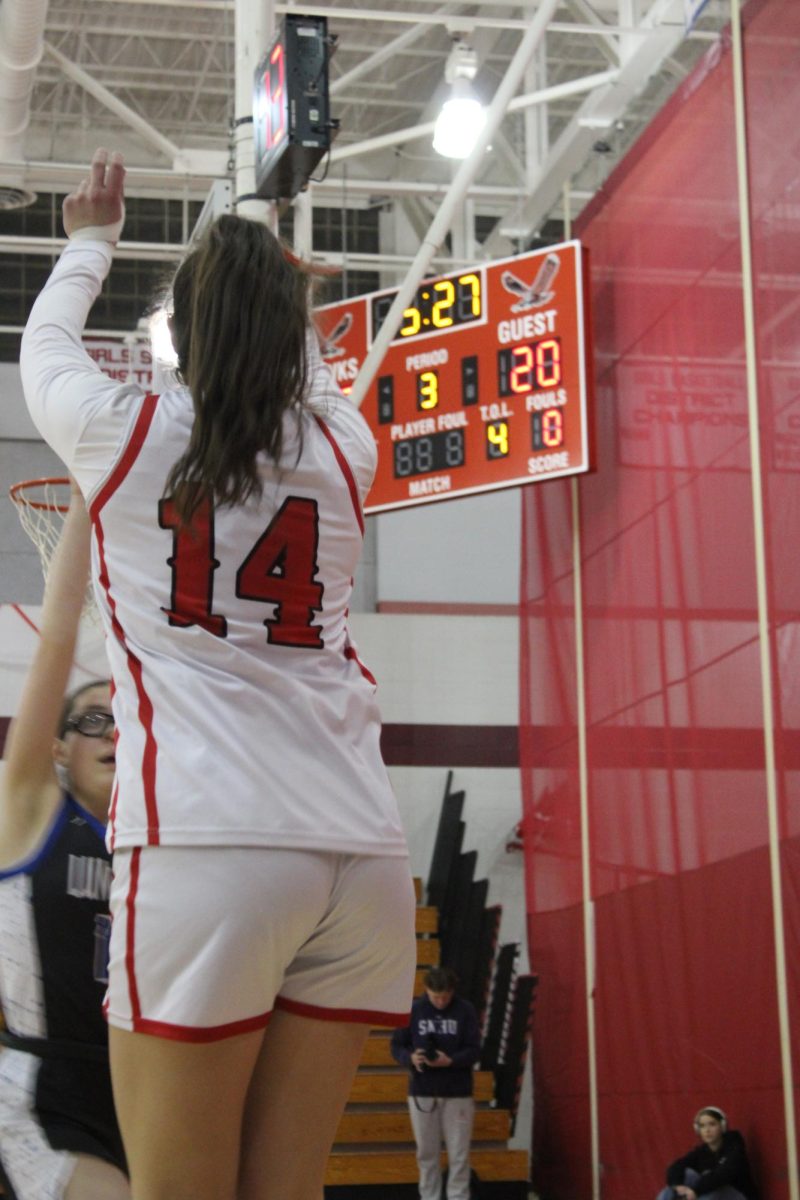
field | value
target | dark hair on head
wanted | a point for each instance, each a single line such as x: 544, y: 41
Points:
x: 72, y: 698
x: 440, y: 979
x: 241, y: 313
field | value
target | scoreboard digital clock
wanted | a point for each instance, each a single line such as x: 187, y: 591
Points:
x: 439, y: 304
x: 486, y: 383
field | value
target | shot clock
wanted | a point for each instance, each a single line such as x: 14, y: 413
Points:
x: 291, y: 117
x: 486, y: 383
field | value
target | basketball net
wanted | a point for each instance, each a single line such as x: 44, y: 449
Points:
x: 42, y: 505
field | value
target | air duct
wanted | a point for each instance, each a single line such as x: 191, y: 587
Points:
x: 21, y: 44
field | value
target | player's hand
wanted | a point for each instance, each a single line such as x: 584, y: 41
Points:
x: 418, y: 1059
x: 441, y: 1060
x: 98, y: 199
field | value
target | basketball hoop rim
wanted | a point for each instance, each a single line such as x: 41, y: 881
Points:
x: 17, y: 490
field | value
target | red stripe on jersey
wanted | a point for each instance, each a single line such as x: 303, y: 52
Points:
x: 354, y: 1016
x: 350, y: 653
x: 112, y: 812
x: 129, y: 456
x: 113, y: 806
x: 130, y: 933
x: 344, y: 467
x: 115, y: 479
x: 200, y: 1033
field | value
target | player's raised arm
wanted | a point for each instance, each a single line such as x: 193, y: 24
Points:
x: 65, y: 390
x: 29, y: 789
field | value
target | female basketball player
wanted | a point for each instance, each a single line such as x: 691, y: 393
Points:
x: 58, y: 1134
x: 262, y: 901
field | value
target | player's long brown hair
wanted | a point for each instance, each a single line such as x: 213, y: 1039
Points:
x: 239, y: 326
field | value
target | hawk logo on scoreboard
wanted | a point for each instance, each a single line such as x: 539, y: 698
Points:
x: 330, y: 347
x: 532, y: 295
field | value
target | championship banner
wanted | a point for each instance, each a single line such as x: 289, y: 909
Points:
x: 124, y: 362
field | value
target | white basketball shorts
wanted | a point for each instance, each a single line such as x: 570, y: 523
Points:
x: 206, y: 941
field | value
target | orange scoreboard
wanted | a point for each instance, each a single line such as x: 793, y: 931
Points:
x: 487, y: 383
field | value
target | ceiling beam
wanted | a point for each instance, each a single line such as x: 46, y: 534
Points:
x: 110, y: 101
x: 605, y: 43
x: 571, y: 88
x: 382, y: 55
x: 392, y: 16
x: 223, y: 6
x: 661, y: 31
x: 158, y: 181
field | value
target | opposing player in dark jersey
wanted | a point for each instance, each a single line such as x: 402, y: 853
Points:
x: 58, y: 1133
x: 263, y: 910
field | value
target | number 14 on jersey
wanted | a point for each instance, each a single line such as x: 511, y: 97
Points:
x: 280, y: 571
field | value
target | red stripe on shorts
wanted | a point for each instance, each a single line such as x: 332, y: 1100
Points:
x: 115, y: 479
x: 130, y: 934
x: 355, y: 1016
x: 344, y: 467
x: 198, y: 1033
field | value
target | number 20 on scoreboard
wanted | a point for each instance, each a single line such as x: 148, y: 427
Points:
x: 486, y: 383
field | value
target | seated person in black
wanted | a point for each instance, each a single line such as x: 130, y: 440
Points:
x: 717, y: 1168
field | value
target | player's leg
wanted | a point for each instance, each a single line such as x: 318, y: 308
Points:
x: 354, y: 971
x: 196, y: 958
x: 201, y: 939
x: 297, y: 1094
x: 94, y: 1179
x: 180, y: 1107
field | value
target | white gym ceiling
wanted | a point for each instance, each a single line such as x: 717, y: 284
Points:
x: 156, y: 78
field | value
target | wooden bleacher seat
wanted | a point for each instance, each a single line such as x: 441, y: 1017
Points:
x: 391, y: 1087
x: 427, y: 920
x: 400, y: 1166
x: 491, y: 1125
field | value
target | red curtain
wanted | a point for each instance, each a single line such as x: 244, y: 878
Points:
x: 685, y: 989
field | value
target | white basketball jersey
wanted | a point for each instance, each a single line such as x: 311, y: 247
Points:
x: 244, y: 714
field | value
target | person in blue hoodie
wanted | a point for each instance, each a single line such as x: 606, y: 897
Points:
x: 440, y: 1046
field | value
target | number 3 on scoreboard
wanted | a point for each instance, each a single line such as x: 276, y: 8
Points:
x: 280, y: 570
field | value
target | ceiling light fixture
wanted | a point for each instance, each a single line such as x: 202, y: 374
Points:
x: 463, y: 116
